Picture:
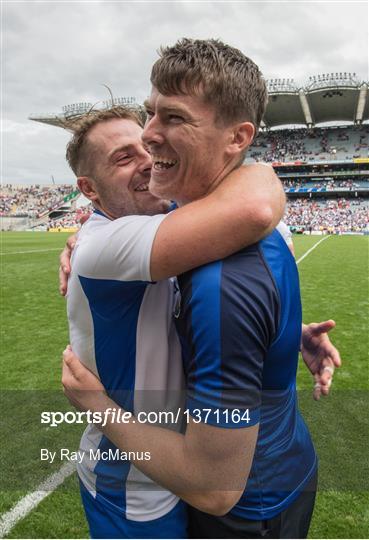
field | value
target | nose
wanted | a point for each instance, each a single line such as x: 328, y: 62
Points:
x: 145, y: 161
x: 152, y: 133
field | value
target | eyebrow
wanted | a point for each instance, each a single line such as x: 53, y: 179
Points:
x: 168, y: 108
x: 175, y: 109
x: 124, y: 148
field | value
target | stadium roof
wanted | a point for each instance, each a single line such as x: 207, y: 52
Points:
x: 71, y: 114
x: 332, y: 97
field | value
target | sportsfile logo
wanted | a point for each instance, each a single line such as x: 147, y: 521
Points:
x: 55, y: 418
x: 114, y: 415
x: 111, y: 415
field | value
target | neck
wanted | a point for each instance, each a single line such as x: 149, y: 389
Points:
x: 106, y: 213
x: 218, y: 179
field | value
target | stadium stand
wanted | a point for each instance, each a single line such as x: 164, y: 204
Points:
x: 323, y: 164
x: 325, y: 173
x: 31, y: 207
x: 318, y: 144
x: 327, y: 215
x: 70, y: 220
x: 32, y: 201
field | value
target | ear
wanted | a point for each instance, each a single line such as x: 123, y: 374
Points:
x: 87, y: 186
x: 242, y: 136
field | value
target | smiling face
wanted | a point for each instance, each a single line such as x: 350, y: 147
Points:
x: 121, y: 170
x: 189, y: 149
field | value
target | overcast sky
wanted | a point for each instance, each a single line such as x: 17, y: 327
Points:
x: 61, y: 52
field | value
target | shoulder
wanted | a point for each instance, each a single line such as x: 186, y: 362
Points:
x: 241, y: 279
x: 240, y: 266
x: 116, y: 249
x: 99, y: 225
x: 277, y: 255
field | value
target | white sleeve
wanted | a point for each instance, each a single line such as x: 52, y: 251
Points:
x: 119, y: 249
x: 285, y: 232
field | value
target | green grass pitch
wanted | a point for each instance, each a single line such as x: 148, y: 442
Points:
x: 334, y: 284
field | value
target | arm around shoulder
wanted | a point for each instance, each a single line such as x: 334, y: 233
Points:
x: 244, y: 208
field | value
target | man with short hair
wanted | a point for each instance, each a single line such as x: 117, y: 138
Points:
x: 239, y: 320
x: 121, y: 322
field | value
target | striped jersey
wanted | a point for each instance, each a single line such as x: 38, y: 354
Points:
x: 240, y: 331
x: 121, y: 328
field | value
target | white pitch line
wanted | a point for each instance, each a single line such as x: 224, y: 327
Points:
x: 30, y: 501
x: 311, y: 249
x: 30, y: 251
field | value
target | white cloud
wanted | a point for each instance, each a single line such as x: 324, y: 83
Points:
x: 58, y: 53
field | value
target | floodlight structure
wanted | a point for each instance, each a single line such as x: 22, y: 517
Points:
x: 329, y: 80
x: 281, y: 85
x: 125, y: 101
x: 76, y: 109
x: 72, y: 113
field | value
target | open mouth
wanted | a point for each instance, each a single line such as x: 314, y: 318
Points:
x: 161, y: 163
x: 142, y: 187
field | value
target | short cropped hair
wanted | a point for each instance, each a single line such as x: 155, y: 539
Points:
x: 221, y: 74
x: 79, y: 153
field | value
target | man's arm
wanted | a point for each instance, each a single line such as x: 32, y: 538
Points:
x: 64, y: 266
x: 227, y: 336
x: 244, y: 208
x: 207, y: 466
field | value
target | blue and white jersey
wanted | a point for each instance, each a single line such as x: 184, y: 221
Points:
x: 121, y: 327
x: 285, y: 232
x: 240, y: 330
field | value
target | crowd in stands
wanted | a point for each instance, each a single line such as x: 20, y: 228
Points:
x: 328, y: 184
x: 70, y: 220
x: 329, y: 215
x: 315, y: 214
x: 311, y: 145
x: 31, y: 201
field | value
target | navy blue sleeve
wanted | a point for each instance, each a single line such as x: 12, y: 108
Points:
x: 228, y: 320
